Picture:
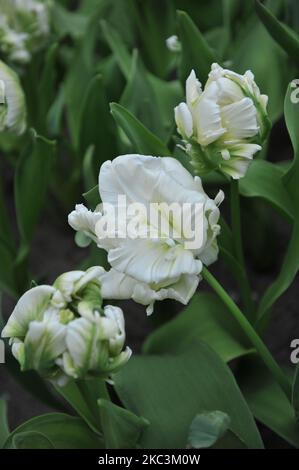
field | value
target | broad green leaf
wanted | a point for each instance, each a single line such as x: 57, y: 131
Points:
x: 205, y: 318
x: 290, y: 263
x: 169, y: 390
x: 121, y: 428
x: 92, y: 197
x: 207, y: 428
x: 295, y: 392
x: 264, y: 180
x: 267, y: 402
x: 251, y: 47
x: 89, y: 176
x: 62, y: 430
x: 47, y: 87
x: 31, y: 180
x: 31, y: 440
x: 284, y: 36
x: 140, y: 99
x: 140, y: 137
x: 4, y: 430
x: 118, y: 48
x: 290, y: 179
x: 81, y: 71
x: 196, y: 53
x: 99, y: 133
x: 55, y: 113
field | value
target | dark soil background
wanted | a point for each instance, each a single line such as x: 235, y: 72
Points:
x: 54, y: 252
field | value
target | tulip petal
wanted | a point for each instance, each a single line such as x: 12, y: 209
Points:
x: 240, y: 119
x: 183, y: 119
x: 30, y: 307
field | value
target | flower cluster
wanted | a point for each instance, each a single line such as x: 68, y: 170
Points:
x: 63, y: 332
x: 24, y: 26
x: 224, y: 125
x: 12, y: 102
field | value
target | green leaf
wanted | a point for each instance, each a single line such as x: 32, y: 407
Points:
x: 101, y: 136
x: 73, y: 395
x: 80, y: 72
x: 62, y: 430
x: 31, y: 440
x: 88, y: 168
x: 47, y: 87
x: 196, y: 53
x: 207, y: 428
x: 251, y: 47
x: 118, y: 48
x: 31, y: 180
x: 267, y: 402
x: 4, y: 430
x: 170, y: 390
x: 67, y: 22
x: 290, y: 263
x: 264, y: 180
x: 295, y: 392
x: 284, y: 36
x: 92, y: 197
x: 121, y: 428
x: 204, y: 318
x: 140, y: 137
x: 140, y: 99
x: 7, y: 279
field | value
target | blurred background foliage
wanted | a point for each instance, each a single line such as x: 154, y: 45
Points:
x: 105, y: 84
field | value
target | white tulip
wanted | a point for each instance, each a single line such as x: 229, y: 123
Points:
x: 94, y: 346
x: 63, y: 332
x: 12, y: 102
x: 24, y: 27
x: 158, y: 265
x: 224, y: 125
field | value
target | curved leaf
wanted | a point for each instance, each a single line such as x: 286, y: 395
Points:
x: 283, y: 35
x: 62, y: 430
x: 141, y: 138
x: 170, y: 390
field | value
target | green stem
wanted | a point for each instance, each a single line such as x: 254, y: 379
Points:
x: 251, y: 334
x: 238, y: 248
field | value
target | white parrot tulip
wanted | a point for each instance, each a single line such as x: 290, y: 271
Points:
x: 63, y: 332
x: 24, y: 27
x: 12, y: 102
x: 158, y: 263
x: 224, y: 125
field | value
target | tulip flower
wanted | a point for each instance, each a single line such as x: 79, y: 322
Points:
x: 63, y: 332
x: 12, y: 102
x: 24, y: 26
x: 158, y: 263
x: 224, y: 125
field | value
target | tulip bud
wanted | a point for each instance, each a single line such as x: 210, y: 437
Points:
x: 12, y: 102
x: 62, y: 331
x: 225, y: 124
x: 24, y: 26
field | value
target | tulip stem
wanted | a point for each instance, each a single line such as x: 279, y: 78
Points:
x: 238, y: 248
x: 251, y: 334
